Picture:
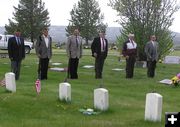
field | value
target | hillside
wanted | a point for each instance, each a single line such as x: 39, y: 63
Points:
x: 58, y: 34
x: 176, y: 39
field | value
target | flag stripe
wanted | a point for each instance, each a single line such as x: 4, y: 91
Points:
x: 3, y: 82
x: 38, y: 86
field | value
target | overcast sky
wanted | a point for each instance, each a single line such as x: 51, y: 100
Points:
x: 59, y: 12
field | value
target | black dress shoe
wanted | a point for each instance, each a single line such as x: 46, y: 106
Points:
x: 74, y: 77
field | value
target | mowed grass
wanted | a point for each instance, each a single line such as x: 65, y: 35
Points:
x: 126, y: 96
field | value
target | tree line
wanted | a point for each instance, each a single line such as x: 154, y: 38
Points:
x: 141, y: 17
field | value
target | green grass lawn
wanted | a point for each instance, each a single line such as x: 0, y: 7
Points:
x: 126, y: 96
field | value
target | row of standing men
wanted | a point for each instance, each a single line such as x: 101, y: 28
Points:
x: 74, y: 47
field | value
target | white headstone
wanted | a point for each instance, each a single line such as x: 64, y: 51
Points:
x: 153, y: 108
x: 57, y: 69
x: 142, y: 64
x: 172, y: 60
x: 10, y: 81
x: 118, y: 69
x: 65, y: 91
x: 101, y: 99
x: 166, y: 81
x: 56, y: 64
x: 88, y: 66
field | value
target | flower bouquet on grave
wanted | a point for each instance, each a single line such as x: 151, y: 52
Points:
x: 89, y: 111
x: 176, y: 80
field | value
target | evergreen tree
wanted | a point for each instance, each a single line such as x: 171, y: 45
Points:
x: 145, y: 18
x: 87, y: 17
x: 30, y: 17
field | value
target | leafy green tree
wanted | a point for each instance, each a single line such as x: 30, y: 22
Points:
x: 145, y: 18
x: 30, y: 17
x: 87, y: 17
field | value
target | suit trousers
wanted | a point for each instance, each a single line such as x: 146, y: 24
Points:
x: 15, y: 68
x: 43, y: 67
x: 99, y: 63
x: 151, y: 65
x: 73, y: 67
x: 130, y: 66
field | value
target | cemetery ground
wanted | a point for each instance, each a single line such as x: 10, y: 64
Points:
x: 126, y: 96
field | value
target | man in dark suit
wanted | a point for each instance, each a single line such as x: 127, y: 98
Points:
x: 16, y: 52
x: 99, y: 50
x: 74, y: 52
x: 129, y: 51
x: 44, y: 52
x: 151, y: 50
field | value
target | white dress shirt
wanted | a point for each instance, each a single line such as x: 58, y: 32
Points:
x: 46, y: 40
x: 103, y: 44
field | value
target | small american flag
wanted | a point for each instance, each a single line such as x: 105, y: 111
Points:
x: 3, y: 82
x: 38, y: 86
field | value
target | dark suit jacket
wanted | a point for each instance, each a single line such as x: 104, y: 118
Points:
x: 41, y: 49
x: 96, y: 47
x: 16, y: 51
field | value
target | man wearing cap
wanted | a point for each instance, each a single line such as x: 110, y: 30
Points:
x: 99, y: 50
x: 151, y: 50
x: 129, y: 51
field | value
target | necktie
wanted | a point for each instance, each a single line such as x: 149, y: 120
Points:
x: 132, y: 43
x: 19, y: 41
x: 103, y: 44
x: 76, y: 41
